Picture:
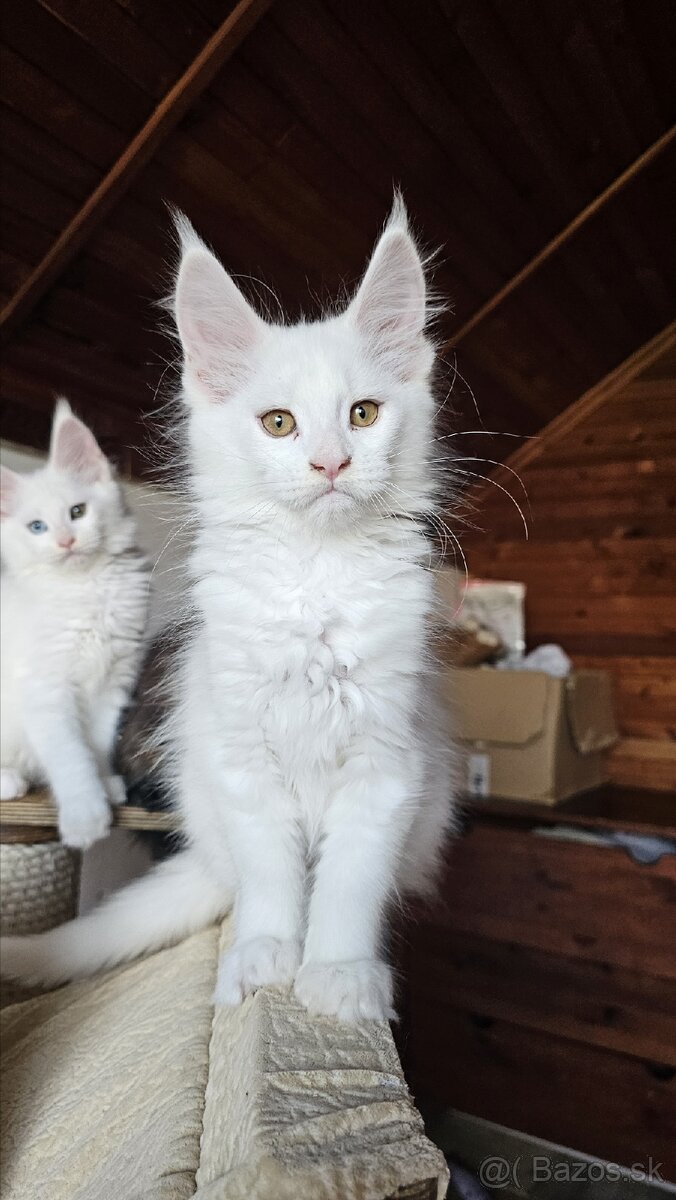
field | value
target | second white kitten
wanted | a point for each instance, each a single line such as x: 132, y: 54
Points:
x: 74, y: 602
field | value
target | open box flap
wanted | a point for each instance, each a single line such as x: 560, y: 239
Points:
x: 589, y: 707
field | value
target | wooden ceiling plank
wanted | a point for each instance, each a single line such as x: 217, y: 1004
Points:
x: 304, y: 245
x: 119, y: 40
x: 274, y: 56
x: 46, y: 204
x: 432, y: 35
x: 222, y: 135
x: 178, y: 99
x: 24, y: 389
x: 42, y: 39
x: 432, y: 104
x: 642, y: 218
x: 565, y: 235
x: 556, y: 42
x: 177, y: 27
x: 58, y: 354
x: 265, y: 113
x: 529, y: 33
x: 27, y: 90
x: 652, y: 35
x: 42, y: 156
x: 581, y: 276
x: 480, y: 33
x: 412, y: 150
x: 13, y: 270
x: 28, y: 239
x: 631, y: 80
x: 606, y: 109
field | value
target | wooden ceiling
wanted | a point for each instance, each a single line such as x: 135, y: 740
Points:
x: 502, y: 120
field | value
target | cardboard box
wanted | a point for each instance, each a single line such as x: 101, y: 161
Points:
x: 530, y: 736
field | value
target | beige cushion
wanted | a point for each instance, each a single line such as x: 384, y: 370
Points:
x: 127, y: 1086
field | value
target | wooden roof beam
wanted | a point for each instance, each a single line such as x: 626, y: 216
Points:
x: 192, y: 83
x: 638, y: 362
x: 561, y: 238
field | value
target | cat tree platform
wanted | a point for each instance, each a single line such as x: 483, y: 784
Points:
x: 131, y: 1084
x: 20, y: 820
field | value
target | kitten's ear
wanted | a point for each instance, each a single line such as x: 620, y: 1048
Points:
x: 74, y: 448
x: 389, y: 307
x: 218, y: 328
x: 10, y: 483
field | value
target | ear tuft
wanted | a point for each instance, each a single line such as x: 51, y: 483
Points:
x: 218, y: 328
x: 188, y: 237
x: 74, y: 448
x: 389, y: 308
x: 10, y: 482
x: 398, y: 218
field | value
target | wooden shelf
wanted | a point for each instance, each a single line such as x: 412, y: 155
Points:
x: 38, y: 811
x: 632, y: 810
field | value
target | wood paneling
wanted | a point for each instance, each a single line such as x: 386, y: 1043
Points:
x: 611, y: 1008
x: 565, y: 898
x: 540, y: 989
x: 576, y: 1095
x: 600, y: 563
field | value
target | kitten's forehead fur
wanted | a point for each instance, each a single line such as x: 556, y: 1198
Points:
x: 238, y: 366
x: 76, y: 473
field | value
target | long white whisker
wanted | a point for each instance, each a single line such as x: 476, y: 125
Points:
x: 501, y: 488
x: 505, y: 467
x: 525, y: 437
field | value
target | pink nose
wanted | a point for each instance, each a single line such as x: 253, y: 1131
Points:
x: 66, y: 542
x: 332, y: 468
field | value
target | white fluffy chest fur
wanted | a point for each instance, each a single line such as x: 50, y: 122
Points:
x: 307, y: 648
x: 74, y: 627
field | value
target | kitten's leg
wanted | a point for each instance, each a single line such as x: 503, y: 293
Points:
x: 104, y: 723
x: 269, y: 857
x: 54, y: 731
x: 342, y: 973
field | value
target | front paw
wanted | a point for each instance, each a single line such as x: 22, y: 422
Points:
x: 84, y: 821
x: 116, y: 789
x: 351, y: 991
x: 250, y: 965
x: 12, y: 784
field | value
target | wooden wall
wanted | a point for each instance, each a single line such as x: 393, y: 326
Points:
x: 541, y: 992
x: 600, y: 563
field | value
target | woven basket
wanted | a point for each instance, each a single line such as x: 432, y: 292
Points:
x: 38, y: 886
x: 38, y: 890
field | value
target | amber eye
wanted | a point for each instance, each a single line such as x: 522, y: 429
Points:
x: 78, y: 510
x: 364, y: 413
x: 278, y: 422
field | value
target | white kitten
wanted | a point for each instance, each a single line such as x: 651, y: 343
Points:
x: 74, y: 600
x: 312, y: 774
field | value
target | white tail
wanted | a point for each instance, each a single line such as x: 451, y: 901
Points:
x: 177, y: 898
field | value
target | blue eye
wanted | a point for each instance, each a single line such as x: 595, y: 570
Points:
x: 38, y: 526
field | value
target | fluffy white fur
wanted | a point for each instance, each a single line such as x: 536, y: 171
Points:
x: 310, y: 767
x: 74, y: 600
